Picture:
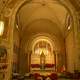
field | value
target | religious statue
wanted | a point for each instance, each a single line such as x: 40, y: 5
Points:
x: 42, y: 61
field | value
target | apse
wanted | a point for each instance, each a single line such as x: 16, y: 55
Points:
x: 42, y: 56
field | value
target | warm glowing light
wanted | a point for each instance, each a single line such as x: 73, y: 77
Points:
x: 1, y: 28
x: 40, y: 50
x: 69, y: 28
x: 17, y: 26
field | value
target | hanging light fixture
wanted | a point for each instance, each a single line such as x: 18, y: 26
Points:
x: 1, y: 27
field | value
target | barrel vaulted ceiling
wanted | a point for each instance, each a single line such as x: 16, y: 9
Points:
x: 42, y: 16
x: 33, y: 16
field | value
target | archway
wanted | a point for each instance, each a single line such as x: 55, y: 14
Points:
x: 42, y: 51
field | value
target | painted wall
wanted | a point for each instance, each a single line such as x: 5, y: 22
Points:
x: 16, y: 50
x: 78, y: 66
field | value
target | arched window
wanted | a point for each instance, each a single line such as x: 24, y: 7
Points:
x: 42, y: 46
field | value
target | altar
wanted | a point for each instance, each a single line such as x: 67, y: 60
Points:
x: 43, y: 73
x: 38, y: 67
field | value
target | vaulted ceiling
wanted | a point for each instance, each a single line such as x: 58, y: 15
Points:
x: 42, y: 16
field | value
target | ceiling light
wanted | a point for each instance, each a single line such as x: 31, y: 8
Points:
x: 1, y: 27
x: 17, y: 26
x: 69, y: 27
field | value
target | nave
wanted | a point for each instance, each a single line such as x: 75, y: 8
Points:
x: 39, y: 40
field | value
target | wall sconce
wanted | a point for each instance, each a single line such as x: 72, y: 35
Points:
x: 69, y: 27
x: 1, y: 27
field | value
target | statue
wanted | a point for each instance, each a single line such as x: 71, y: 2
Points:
x: 42, y: 61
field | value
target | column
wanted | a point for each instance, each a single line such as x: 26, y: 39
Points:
x: 29, y: 60
x: 55, y: 59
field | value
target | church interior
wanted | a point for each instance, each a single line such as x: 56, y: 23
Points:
x: 39, y: 40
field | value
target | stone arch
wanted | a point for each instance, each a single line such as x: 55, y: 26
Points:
x: 44, y: 38
x: 52, y: 40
